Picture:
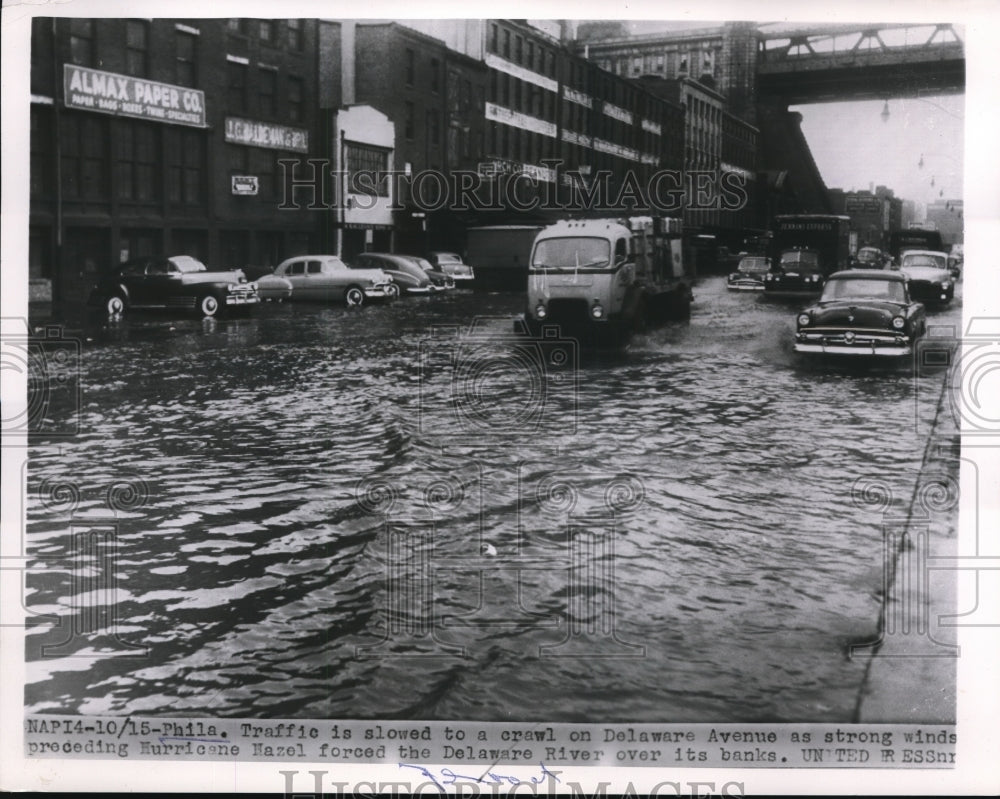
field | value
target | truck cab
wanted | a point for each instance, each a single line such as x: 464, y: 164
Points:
x: 598, y: 278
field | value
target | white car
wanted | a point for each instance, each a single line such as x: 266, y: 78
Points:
x: 326, y: 278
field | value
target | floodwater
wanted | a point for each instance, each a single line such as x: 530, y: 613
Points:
x: 321, y: 512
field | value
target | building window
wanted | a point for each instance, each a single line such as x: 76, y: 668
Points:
x: 137, y: 158
x: 295, y: 99
x: 85, y: 159
x: 373, y: 160
x: 434, y: 127
x: 185, y: 167
x: 506, y: 44
x: 239, y: 159
x: 262, y: 165
x: 494, y: 33
x: 136, y: 47
x: 40, y: 161
x: 295, y: 34
x: 435, y: 75
x: 237, y: 26
x: 268, y: 80
x: 518, y: 49
x: 81, y: 42
x: 531, y: 55
x: 187, y: 66
x: 266, y: 31
x: 408, y: 121
x: 236, y: 92
x: 410, y: 66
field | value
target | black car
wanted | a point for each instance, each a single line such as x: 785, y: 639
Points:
x: 174, y: 281
x: 862, y: 312
x: 797, y: 272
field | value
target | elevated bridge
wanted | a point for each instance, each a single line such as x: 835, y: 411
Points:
x: 818, y: 63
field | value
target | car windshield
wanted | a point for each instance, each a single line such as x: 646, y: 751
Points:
x: 868, y: 255
x: 448, y: 258
x: 754, y: 265
x: 864, y: 288
x: 805, y: 260
x: 185, y: 263
x: 571, y: 253
x: 914, y: 259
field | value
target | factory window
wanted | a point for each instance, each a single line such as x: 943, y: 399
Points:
x: 137, y: 160
x: 295, y: 99
x: 373, y: 160
x: 435, y: 75
x: 136, y: 47
x: 186, y: 59
x: 410, y: 66
x: 268, y: 80
x: 236, y: 90
x: 81, y: 42
x: 294, y: 34
x: 408, y: 121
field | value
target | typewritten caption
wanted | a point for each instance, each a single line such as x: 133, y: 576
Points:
x: 513, y: 744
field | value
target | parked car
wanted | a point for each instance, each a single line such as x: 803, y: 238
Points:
x: 440, y: 280
x: 326, y: 278
x: 930, y: 280
x: 273, y: 288
x: 406, y: 275
x: 452, y: 263
x: 869, y: 258
x: 171, y: 281
x: 955, y: 260
x: 862, y: 312
x: 749, y: 275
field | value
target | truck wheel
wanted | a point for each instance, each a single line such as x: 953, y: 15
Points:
x: 208, y: 305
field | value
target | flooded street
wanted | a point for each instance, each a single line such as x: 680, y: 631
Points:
x: 319, y: 512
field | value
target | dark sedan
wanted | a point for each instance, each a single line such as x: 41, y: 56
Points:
x: 862, y: 313
x: 175, y: 281
x: 409, y: 277
x: 440, y: 280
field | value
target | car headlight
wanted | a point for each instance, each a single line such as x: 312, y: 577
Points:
x: 898, y: 322
x: 804, y: 320
x: 597, y: 311
x: 540, y: 312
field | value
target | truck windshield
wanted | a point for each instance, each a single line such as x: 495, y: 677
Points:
x: 806, y: 260
x: 571, y: 253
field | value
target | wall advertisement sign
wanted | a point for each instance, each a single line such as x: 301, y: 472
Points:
x: 122, y: 95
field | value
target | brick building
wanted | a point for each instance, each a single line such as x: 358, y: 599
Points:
x: 139, y: 127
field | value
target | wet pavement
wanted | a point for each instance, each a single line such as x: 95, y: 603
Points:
x: 365, y: 513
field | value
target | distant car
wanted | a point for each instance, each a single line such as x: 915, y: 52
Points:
x: 452, y: 263
x: 406, y: 275
x: 930, y: 280
x: 798, y: 271
x: 869, y: 258
x: 326, y: 278
x: 172, y: 281
x: 862, y: 313
x: 440, y: 281
x: 749, y: 275
x: 955, y: 260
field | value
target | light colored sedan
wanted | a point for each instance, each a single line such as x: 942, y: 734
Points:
x: 325, y: 278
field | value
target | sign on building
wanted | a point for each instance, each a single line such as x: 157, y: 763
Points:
x: 265, y: 134
x: 122, y: 95
x: 245, y: 184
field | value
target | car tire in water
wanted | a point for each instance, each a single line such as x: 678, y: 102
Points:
x: 115, y: 305
x: 209, y: 305
x: 354, y: 296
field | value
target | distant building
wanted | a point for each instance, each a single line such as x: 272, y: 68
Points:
x: 949, y: 218
x: 874, y: 214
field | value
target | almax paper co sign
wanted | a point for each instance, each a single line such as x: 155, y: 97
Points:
x: 122, y: 95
